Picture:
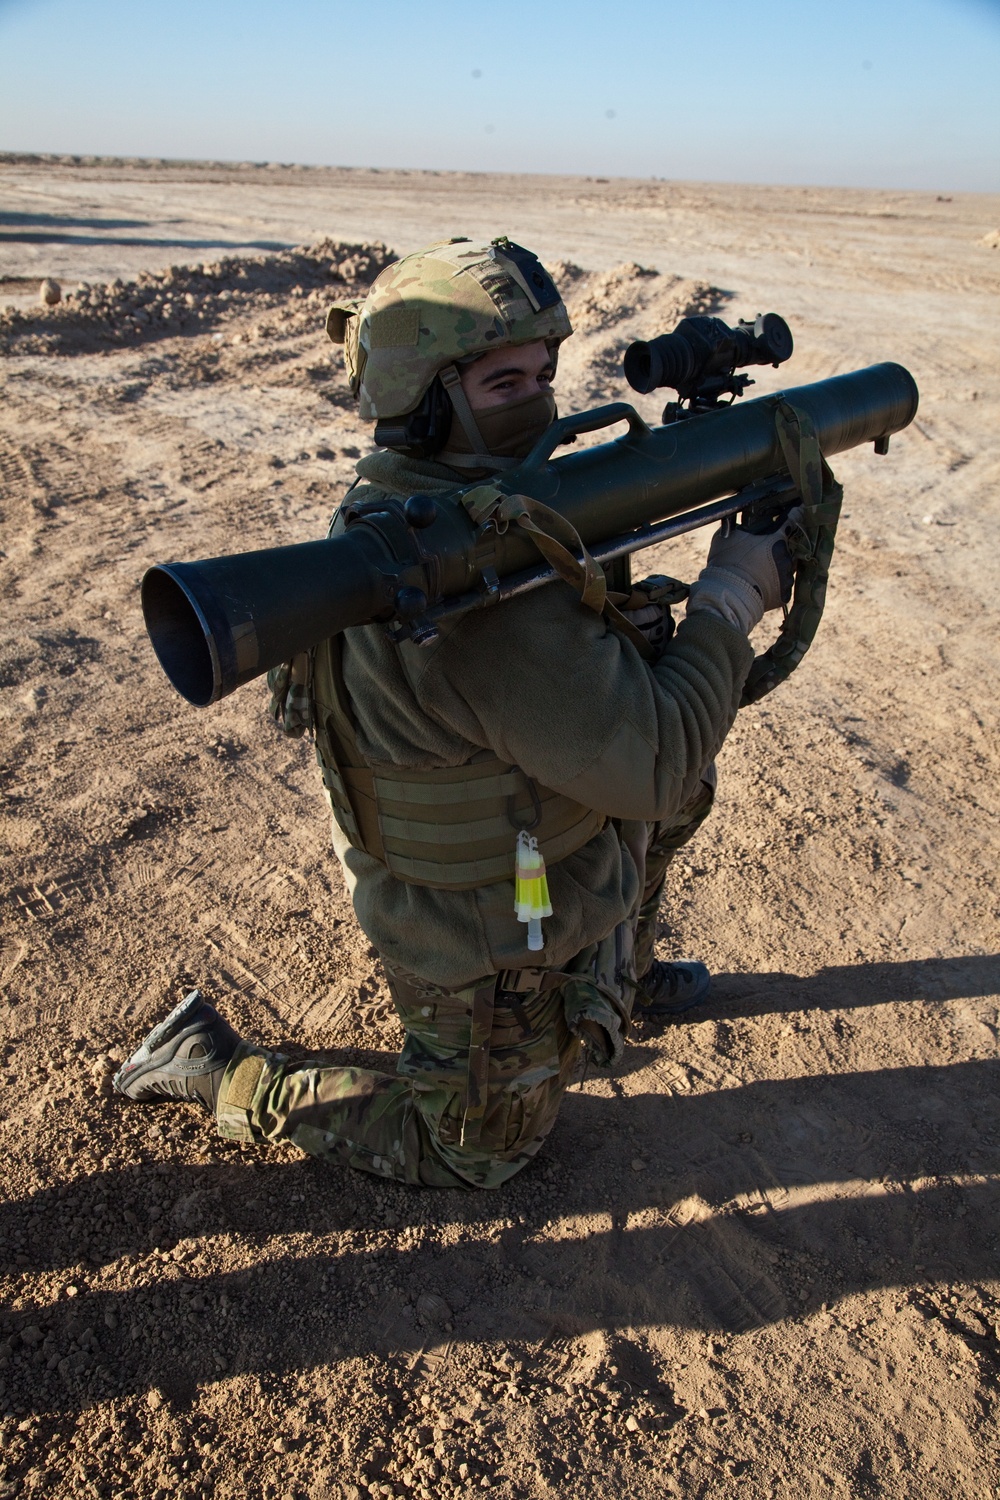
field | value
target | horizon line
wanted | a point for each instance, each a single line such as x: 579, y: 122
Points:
x: 75, y: 160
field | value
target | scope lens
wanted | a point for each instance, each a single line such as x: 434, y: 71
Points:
x: 637, y: 365
x: 664, y: 361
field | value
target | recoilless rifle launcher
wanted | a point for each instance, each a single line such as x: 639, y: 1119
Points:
x: 408, y: 564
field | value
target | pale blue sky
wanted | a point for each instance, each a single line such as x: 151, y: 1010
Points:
x: 886, y: 93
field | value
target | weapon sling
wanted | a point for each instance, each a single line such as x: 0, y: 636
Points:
x: 812, y: 548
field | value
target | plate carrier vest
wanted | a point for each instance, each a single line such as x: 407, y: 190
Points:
x: 454, y: 828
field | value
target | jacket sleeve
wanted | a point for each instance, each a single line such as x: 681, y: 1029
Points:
x: 545, y: 684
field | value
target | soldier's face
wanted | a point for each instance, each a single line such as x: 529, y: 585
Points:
x: 503, y: 375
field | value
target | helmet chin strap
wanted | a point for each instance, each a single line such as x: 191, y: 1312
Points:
x: 481, y: 457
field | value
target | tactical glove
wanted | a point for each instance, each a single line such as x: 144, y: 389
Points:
x: 747, y: 573
x: 648, y: 608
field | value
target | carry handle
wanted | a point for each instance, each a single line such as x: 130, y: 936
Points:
x: 584, y: 421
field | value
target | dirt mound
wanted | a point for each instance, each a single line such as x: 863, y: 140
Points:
x: 564, y: 273
x: 189, y: 299
x: 609, y: 309
x: 606, y: 297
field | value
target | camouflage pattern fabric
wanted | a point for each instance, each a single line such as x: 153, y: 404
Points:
x: 822, y: 498
x: 477, y: 1086
x: 291, y: 705
x: 434, y: 307
x: 483, y: 1068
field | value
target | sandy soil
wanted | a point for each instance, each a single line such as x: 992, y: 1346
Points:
x: 762, y: 1258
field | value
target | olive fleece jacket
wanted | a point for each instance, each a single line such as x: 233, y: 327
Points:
x: 542, y: 682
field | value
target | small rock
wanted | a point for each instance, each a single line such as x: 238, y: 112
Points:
x: 281, y: 1445
x: 154, y: 1400
x: 49, y: 293
x: 638, y: 1165
x: 102, y: 1073
x: 631, y: 1423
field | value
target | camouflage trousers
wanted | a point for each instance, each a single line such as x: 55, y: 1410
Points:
x: 483, y: 1069
x: 477, y: 1086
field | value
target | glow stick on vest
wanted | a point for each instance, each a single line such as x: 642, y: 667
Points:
x: 531, y: 890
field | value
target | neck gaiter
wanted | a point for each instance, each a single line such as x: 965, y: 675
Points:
x: 508, y: 432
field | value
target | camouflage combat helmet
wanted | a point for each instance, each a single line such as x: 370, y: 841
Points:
x: 436, y: 307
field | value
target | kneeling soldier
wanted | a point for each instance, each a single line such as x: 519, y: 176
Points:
x: 537, y: 726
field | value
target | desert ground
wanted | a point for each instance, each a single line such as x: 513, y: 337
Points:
x: 760, y: 1258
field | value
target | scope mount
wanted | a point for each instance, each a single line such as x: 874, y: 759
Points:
x: 708, y: 397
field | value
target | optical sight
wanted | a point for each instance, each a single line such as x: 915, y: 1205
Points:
x: 699, y: 359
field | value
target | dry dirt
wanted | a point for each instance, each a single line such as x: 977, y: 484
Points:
x: 762, y: 1258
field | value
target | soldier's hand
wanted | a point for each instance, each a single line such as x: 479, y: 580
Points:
x: 648, y: 608
x: 747, y: 573
x: 761, y: 558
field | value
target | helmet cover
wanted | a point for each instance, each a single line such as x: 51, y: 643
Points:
x: 434, y: 307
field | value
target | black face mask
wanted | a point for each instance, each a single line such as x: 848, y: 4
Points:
x: 509, y: 432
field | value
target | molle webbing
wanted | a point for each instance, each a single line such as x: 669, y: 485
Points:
x: 452, y: 828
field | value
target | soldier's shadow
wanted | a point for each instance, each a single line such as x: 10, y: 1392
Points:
x: 835, y: 987
x: 716, y: 1210
x: 853, y: 986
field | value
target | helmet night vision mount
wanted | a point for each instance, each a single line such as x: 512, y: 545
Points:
x: 700, y: 358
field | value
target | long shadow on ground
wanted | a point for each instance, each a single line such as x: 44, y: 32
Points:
x: 744, y: 1207
x: 851, y: 986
